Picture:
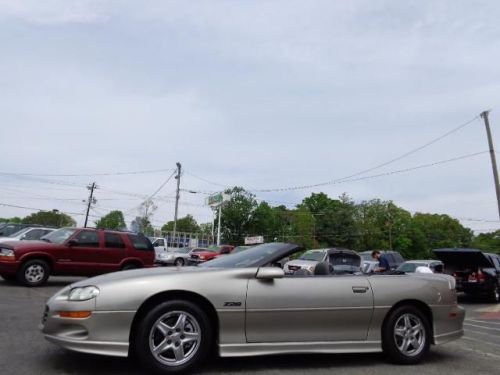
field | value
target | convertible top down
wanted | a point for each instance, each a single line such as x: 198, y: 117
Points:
x: 245, y: 305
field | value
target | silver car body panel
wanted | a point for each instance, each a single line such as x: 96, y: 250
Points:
x: 322, y: 314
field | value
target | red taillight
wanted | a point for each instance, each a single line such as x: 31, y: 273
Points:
x: 480, y: 276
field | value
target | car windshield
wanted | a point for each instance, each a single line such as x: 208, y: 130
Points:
x: 249, y: 258
x: 366, y: 256
x: 313, y: 255
x: 58, y: 236
x: 410, y: 267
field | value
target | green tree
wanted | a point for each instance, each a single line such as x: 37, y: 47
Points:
x: 335, y: 219
x: 113, y: 220
x: 437, y: 231
x: 186, y: 224
x: 15, y: 219
x: 304, y: 227
x: 50, y: 218
x: 383, y: 225
x: 236, y: 216
x: 489, y: 242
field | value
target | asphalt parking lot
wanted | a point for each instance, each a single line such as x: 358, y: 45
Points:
x: 23, y: 349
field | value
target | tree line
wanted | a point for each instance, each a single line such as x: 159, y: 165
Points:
x: 318, y: 221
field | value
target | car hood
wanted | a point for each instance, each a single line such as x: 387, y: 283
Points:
x: 31, y: 245
x: 138, y: 275
x: 204, y: 253
x: 463, y: 257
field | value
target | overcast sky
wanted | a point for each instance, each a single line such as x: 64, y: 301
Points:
x: 261, y: 94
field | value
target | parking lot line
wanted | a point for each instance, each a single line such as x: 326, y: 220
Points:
x: 482, y: 321
x: 482, y: 333
x: 483, y: 327
x: 482, y: 342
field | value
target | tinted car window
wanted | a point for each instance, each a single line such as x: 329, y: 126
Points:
x: 87, y: 238
x: 140, y: 242
x: 113, y: 240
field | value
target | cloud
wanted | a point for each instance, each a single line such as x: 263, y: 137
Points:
x: 55, y: 11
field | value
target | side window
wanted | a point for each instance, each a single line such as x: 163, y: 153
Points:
x: 160, y: 242
x: 87, y: 238
x: 33, y: 234
x: 496, y: 262
x: 113, y: 240
x: 140, y: 242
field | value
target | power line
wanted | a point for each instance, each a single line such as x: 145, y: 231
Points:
x: 43, y: 209
x: 362, y: 172
x: 88, y: 174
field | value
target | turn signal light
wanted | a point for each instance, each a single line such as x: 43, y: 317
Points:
x: 75, y: 314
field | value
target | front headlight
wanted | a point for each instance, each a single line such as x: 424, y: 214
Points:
x: 6, y: 253
x: 83, y: 294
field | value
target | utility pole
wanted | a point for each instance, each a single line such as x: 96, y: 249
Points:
x: 484, y: 115
x: 177, y: 196
x: 90, y: 202
x: 218, y: 225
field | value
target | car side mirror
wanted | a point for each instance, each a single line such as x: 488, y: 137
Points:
x: 72, y: 242
x: 269, y: 273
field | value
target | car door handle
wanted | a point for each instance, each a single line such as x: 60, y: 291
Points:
x: 359, y: 289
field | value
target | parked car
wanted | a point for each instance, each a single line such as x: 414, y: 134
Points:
x: 28, y: 234
x: 370, y: 265
x: 413, y: 266
x: 73, y: 251
x: 475, y: 272
x: 171, y: 320
x: 198, y: 256
x: 177, y: 257
x: 337, y: 257
x: 10, y: 228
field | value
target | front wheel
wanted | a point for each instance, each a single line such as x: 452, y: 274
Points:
x: 179, y: 262
x: 173, y: 337
x: 406, y: 336
x: 33, y: 272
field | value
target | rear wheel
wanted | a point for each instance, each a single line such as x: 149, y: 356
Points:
x: 173, y: 337
x: 33, y: 272
x: 495, y: 294
x: 406, y: 335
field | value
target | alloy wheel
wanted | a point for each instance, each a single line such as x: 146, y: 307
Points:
x: 175, y: 338
x: 409, y: 335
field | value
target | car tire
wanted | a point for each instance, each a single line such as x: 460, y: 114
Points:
x: 495, y: 294
x: 10, y: 278
x: 173, y: 337
x: 406, y: 335
x: 129, y: 266
x: 179, y: 262
x: 33, y: 273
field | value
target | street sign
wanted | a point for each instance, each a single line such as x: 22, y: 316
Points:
x: 217, y: 199
x: 254, y: 240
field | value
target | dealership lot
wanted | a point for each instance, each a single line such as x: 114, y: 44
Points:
x: 23, y: 349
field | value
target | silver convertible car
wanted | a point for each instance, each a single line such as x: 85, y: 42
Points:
x: 242, y: 304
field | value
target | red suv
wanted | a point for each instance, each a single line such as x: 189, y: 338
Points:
x: 75, y: 252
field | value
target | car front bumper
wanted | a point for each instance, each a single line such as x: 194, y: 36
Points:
x: 103, y: 332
